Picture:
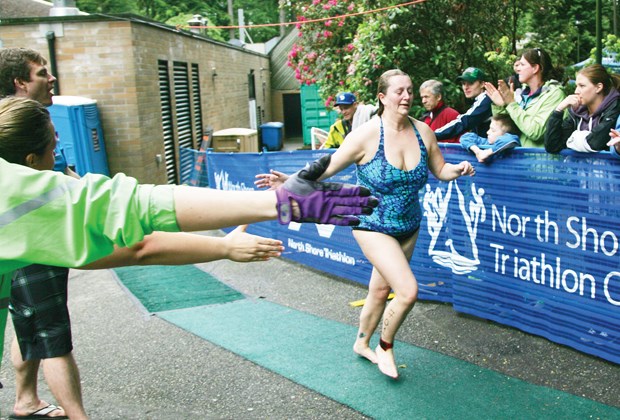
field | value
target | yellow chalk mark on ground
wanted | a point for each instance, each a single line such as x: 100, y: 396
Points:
x: 362, y: 301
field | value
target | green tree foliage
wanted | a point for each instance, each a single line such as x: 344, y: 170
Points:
x: 433, y: 39
x: 260, y: 12
x: 179, y: 12
x: 567, y: 28
x: 107, y: 6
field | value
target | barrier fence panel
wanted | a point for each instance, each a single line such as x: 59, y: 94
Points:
x: 531, y: 241
x: 193, y: 167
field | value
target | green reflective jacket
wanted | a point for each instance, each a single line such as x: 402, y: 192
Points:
x: 50, y: 218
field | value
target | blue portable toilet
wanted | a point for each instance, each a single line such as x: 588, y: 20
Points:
x: 80, y: 133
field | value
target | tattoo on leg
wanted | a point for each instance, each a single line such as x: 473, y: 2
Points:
x: 362, y: 335
x: 386, y: 319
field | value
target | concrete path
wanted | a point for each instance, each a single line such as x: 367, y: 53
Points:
x: 137, y: 366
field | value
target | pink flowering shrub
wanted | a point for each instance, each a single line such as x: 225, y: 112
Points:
x: 325, y: 46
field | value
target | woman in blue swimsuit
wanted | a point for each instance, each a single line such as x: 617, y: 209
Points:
x: 393, y: 154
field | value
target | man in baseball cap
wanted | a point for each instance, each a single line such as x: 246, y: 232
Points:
x: 353, y: 115
x: 478, y: 117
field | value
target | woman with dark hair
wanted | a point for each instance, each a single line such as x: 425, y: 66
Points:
x: 530, y: 106
x: 592, y: 112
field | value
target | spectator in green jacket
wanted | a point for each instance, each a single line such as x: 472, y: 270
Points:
x: 530, y: 106
x: 353, y: 113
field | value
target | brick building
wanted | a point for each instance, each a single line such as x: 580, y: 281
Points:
x: 156, y: 87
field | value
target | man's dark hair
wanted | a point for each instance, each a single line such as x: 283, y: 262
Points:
x: 15, y: 64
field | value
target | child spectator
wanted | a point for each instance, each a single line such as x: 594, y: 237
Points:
x: 503, y: 134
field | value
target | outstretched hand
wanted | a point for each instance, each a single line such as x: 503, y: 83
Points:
x: 312, y: 172
x: 301, y: 200
x: 245, y: 247
x: 272, y: 180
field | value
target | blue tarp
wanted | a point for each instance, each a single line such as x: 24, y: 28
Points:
x: 531, y: 241
x: 608, y: 61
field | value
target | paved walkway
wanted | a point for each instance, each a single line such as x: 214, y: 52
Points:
x: 316, y: 353
x: 138, y: 366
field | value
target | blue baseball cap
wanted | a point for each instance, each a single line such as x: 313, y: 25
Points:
x: 345, y: 98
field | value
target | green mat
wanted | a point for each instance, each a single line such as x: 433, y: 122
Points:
x: 317, y: 353
x: 164, y: 288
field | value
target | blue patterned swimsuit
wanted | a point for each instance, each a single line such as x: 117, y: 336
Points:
x: 399, y: 213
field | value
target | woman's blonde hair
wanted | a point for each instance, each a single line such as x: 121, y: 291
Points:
x: 25, y: 128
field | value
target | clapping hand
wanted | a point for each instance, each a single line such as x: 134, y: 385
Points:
x: 501, y: 95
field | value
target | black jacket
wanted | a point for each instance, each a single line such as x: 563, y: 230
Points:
x: 559, y: 129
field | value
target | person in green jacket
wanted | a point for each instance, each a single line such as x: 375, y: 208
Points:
x: 49, y: 218
x: 530, y: 106
x: 38, y: 304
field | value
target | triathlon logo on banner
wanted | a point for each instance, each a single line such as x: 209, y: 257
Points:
x: 436, y: 212
x: 541, y: 248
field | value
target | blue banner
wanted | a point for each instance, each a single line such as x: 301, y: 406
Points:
x: 531, y: 241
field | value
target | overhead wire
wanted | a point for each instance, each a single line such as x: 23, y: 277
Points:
x: 302, y: 22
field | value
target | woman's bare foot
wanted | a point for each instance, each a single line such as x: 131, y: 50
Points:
x: 386, y: 363
x: 364, y: 351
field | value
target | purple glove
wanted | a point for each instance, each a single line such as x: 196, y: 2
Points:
x: 323, y: 202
